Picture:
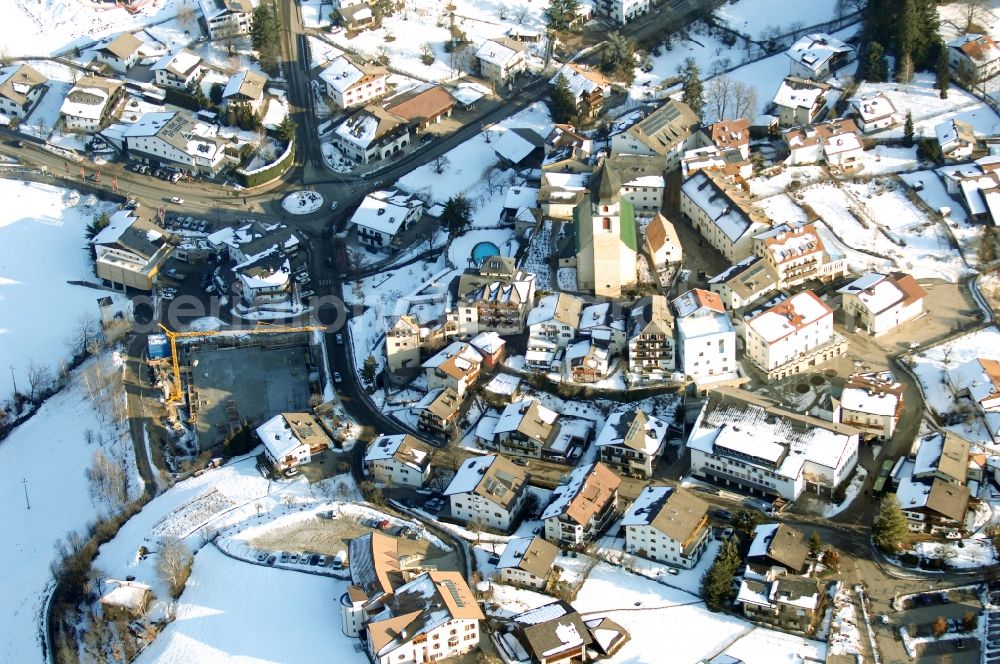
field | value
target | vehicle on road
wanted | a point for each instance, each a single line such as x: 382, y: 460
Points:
x: 333, y: 205
x: 339, y: 338
x: 19, y: 144
x: 337, y: 378
x: 176, y: 200
x: 99, y: 160
x: 759, y: 505
x: 427, y: 138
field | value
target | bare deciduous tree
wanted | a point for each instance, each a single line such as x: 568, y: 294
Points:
x: 107, y: 480
x: 727, y: 99
x: 39, y: 378
x: 86, y: 332
x: 974, y: 12
x: 173, y: 564
x: 440, y: 163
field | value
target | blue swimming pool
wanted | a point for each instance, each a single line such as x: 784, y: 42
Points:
x: 484, y: 250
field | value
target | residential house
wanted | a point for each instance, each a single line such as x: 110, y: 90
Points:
x: 350, y: 84
x: 605, y: 231
x: 488, y: 491
x: 130, y: 251
x: 651, y: 345
x: 20, y: 89
x: 501, y: 60
x: 583, y: 506
x: 491, y: 347
x: 956, y: 138
x: 800, y: 101
x: 979, y: 379
x: 817, y: 56
x: 176, y: 139
x: 126, y: 600
x: 622, y: 11
x: 245, y: 88
x: 177, y: 69
x: 497, y: 297
x: 872, y: 403
x: 121, y: 53
x: 640, y: 181
x: 974, y: 57
x: 383, y: 215
x: 227, y: 18
x: 372, y: 133
x: 401, y: 459
x: 745, y: 282
x: 567, y: 150
x: 355, y: 16
x: 942, y: 456
x: 744, y: 440
x: 879, y: 303
x: 604, y: 322
x: 874, y: 112
x: 667, y: 525
x: 706, y: 340
x: 608, y: 635
x: 437, y: 412
x: 402, y: 344
x: 630, y: 443
x: 528, y: 429
x: 456, y: 367
x: 722, y: 146
x: 519, y: 147
x: 791, y: 336
x: 527, y: 562
x: 90, y: 103
x: 589, y: 360
x: 838, y: 142
x: 933, y: 506
x: 422, y: 106
x: 556, y: 318
x: 662, y: 243
x: 291, y: 439
x: 433, y: 617
x: 502, y: 390
x: 589, y: 88
x: 561, y: 193
x: 723, y: 212
x: 663, y: 133
x: 553, y: 633
x: 778, y: 545
x: 797, y: 254
x: 787, y: 602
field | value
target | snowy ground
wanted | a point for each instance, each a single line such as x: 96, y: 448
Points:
x: 931, y: 366
x: 767, y: 646
x: 41, y: 248
x: 45, y: 27
x: 964, y: 554
x: 302, y: 202
x: 753, y: 17
x: 45, y: 457
x: 656, y: 615
x: 468, y: 163
x: 234, y: 611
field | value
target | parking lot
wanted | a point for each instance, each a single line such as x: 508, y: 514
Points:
x: 918, y: 614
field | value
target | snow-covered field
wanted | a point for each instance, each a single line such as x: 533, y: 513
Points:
x: 752, y: 17
x: 237, y: 612
x: 42, y: 246
x: 45, y: 457
x: 46, y: 27
x: 965, y: 554
x: 656, y: 615
x: 766, y: 646
x: 468, y: 162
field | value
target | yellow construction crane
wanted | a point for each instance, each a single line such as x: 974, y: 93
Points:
x: 176, y: 393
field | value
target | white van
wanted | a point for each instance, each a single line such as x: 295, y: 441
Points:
x: 340, y: 560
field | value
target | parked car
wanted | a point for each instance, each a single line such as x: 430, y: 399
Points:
x: 427, y: 138
x: 322, y: 560
x: 176, y: 200
x: 340, y: 560
x: 945, y: 597
x: 707, y: 489
x: 339, y: 338
x: 262, y: 556
x: 673, y: 571
x: 337, y: 378
x: 270, y: 560
x: 294, y: 558
x: 284, y: 556
x: 519, y: 462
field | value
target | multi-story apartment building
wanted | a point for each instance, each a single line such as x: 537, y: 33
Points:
x: 663, y: 133
x: 350, y: 84
x: 623, y: 11
x: 631, y: 442
x: 706, y: 340
x: 91, y: 102
x: 501, y: 60
x: 583, y: 506
x: 401, y: 459
x: 527, y: 562
x: 792, y: 335
x: 497, y: 298
x: 456, y: 367
x: 651, y: 338
x: 872, y: 403
x: 879, y: 303
x: 226, y: 19
x: 177, y: 69
x: 488, y: 491
x: 20, y: 89
x: 723, y: 213
x: 667, y: 525
x: 130, y: 251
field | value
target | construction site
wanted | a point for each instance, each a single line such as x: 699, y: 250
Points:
x: 220, y: 381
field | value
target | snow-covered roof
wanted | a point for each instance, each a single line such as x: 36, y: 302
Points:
x: 757, y: 432
x: 559, y: 307
x: 404, y: 448
x: 246, y: 83
x: 879, y: 292
x: 368, y: 125
x: 866, y: 401
x: 131, y: 595
x: 799, y: 93
x: 981, y: 49
x: 585, y: 492
x: 520, y: 197
x: 981, y: 377
x: 517, y: 143
x: 286, y: 432
x: 181, y: 63
x: 88, y: 97
x: 490, y: 476
x: 581, y: 80
x: 954, y: 133
x: 528, y: 416
x: 503, y: 384
x: 385, y: 211
x: 873, y: 107
x: 468, y: 93
x: 499, y: 51
x: 634, y: 429
x: 718, y: 201
x: 789, y: 316
x: 815, y: 50
x: 341, y: 73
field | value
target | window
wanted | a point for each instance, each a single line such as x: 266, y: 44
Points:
x: 606, y: 223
